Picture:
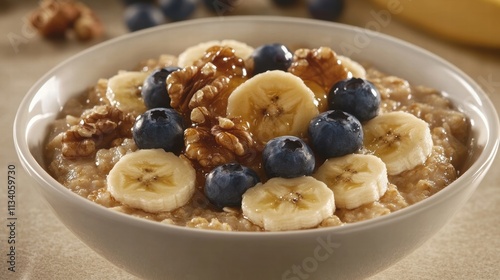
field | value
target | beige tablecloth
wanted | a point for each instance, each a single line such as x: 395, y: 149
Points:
x: 466, y: 248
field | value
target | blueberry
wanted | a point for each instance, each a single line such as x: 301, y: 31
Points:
x: 177, y: 10
x: 356, y: 96
x: 335, y: 133
x: 130, y: 2
x: 287, y: 157
x: 326, y: 9
x: 226, y: 184
x: 159, y: 128
x: 220, y: 7
x: 143, y: 15
x: 154, y: 90
x: 285, y: 3
x: 271, y: 57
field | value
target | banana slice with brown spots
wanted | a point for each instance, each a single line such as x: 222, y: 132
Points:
x: 400, y: 139
x: 124, y: 91
x: 273, y: 103
x: 288, y: 204
x: 152, y: 180
x: 355, y: 179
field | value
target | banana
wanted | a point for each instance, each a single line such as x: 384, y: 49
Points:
x: 355, y: 179
x: 354, y: 68
x: 472, y: 22
x: 192, y: 54
x: 124, y: 91
x: 152, y: 180
x: 400, y: 139
x: 273, y: 103
x: 288, y: 204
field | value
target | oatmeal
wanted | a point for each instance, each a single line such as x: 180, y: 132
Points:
x: 243, y: 150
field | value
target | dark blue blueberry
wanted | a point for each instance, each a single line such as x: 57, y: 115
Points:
x: 285, y: 3
x: 159, y: 128
x: 355, y: 96
x: 335, y: 133
x: 154, y: 90
x: 221, y: 7
x: 143, y: 15
x: 326, y: 9
x: 287, y: 157
x: 271, y: 57
x: 130, y: 2
x: 177, y: 10
x: 226, y: 184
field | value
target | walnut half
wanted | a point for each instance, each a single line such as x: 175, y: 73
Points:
x: 321, y: 66
x: 225, y: 142
x: 87, y: 26
x: 54, y: 18
x: 100, y: 127
x: 183, y: 84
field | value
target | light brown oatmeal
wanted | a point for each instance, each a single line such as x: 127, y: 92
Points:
x: 91, y: 136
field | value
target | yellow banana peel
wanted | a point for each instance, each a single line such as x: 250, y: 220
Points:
x: 471, y: 22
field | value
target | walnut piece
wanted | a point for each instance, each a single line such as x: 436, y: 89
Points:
x: 321, y: 66
x: 213, y: 96
x: 183, y: 84
x: 224, y: 142
x: 202, y: 148
x: 87, y: 26
x: 225, y: 60
x: 100, y: 127
x: 233, y: 136
x: 208, y: 82
x: 54, y: 18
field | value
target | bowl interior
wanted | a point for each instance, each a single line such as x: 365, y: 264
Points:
x: 46, y: 98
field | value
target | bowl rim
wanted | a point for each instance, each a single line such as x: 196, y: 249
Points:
x: 33, y: 168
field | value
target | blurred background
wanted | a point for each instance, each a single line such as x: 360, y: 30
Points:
x: 465, y: 22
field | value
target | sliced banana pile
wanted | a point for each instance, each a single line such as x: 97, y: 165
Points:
x: 124, y: 91
x: 152, y: 180
x: 400, y: 139
x: 288, y: 204
x: 274, y: 103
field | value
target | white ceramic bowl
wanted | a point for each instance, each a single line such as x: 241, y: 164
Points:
x: 153, y: 250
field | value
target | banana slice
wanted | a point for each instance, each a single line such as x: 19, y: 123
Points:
x: 192, y: 54
x: 288, y: 204
x: 354, y: 68
x: 400, y: 139
x: 273, y: 103
x: 152, y: 180
x: 355, y: 179
x: 124, y: 91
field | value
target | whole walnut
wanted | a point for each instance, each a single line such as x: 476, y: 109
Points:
x: 59, y: 18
